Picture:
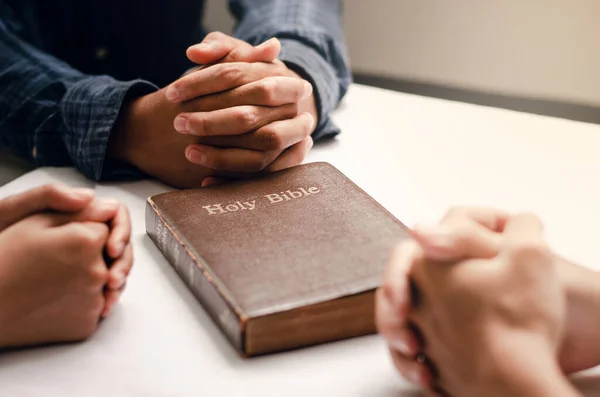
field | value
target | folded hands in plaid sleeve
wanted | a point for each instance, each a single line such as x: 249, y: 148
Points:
x: 99, y: 85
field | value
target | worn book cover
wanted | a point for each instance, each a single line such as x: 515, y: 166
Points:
x: 288, y: 260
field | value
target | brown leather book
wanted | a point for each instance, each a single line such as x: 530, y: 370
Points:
x: 285, y: 261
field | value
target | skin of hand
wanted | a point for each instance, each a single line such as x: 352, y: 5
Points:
x: 225, y: 132
x: 80, y: 202
x: 52, y: 278
x: 244, y: 89
x: 485, y: 322
x: 461, y: 231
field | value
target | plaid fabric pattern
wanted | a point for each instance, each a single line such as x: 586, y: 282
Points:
x: 54, y: 113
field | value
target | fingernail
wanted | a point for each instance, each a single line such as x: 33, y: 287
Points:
x: 206, y: 46
x: 119, y: 280
x: 395, y: 292
x: 172, y: 94
x: 312, y: 122
x: 308, y: 90
x: 198, y: 47
x: 118, y: 248
x: 388, y: 292
x: 106, y: 311
x: 195, y: 156
x: 403, y: 347
x: 181, y: 124
x: 267, y: 43
x: 83, y: 193
x: 414, y: 376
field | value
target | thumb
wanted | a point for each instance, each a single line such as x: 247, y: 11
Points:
x: 207, y: 53
x: 229, y: 49
x: 265, y: 52
x: 457, y: 241
x: 54, y: 197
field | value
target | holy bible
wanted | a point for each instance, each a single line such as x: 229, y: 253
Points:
x: 289, y: 260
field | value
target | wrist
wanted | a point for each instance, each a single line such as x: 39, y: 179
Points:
x: 582, y: 288
x: 119, y: 142
x: 131, y: 133
x: 524, y: 364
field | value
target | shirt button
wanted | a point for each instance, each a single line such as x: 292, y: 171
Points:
x: 101, y: 53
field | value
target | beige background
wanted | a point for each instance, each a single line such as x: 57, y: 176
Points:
x: 537, y: 48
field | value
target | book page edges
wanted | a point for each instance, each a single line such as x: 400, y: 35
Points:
x: 207, y: 289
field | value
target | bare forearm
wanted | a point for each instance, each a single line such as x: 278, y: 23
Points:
x: 582, y: 347
x: 523, y: 365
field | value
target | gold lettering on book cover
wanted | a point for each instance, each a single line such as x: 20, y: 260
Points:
x: 273, y: 198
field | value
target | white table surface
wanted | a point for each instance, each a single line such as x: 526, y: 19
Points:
x: 417, y: 156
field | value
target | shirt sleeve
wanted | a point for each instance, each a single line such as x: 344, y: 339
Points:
x: 313, y: 45
x: 54, y: 115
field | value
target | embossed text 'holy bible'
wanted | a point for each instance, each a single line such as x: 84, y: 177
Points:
x: 285, y: 261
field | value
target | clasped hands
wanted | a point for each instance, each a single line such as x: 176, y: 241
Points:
x: 65, y: 259
x: 242, y: 112
x: 480, y: 306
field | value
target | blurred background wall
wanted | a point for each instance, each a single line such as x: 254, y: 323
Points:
x: 534, y: 55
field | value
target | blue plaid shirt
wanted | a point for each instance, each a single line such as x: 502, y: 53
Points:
x: 67, y: 66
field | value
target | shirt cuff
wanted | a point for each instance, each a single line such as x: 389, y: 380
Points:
x: 307, y: 62
x: 90, y: 109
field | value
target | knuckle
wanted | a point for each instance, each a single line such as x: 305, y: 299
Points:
x: 235, y: 54
x: 229, y: 72
x: 80, y: 235
x: 307, y: 129
x: 258, y: 163
x: 247, y: 117
x: 463, y: 230
x: 529, y: 252
x: 98, y: 234
x: 281, y: 69
x: 50, y: 190
x: 90, y: 236
x: 267, y: 88
x: 271, y: 139
x: 98, y: 274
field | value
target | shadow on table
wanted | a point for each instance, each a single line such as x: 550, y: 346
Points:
x: 392, y: 392
x: 588, y: 384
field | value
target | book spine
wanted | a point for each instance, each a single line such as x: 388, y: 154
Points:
x: 197, y: 280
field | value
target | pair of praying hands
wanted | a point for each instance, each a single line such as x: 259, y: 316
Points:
x: 240, y: 113
x: 480, y: 306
